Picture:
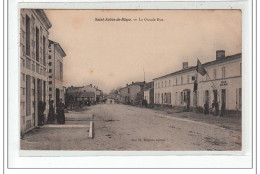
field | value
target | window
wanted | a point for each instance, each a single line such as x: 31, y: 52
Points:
x: 165, y: 83
x: 49, y: 63
x: 162, y: 84
x: 181, y: 80
x: 50, y: 70
x: 207, y: 96
x: 43, y: 46
x: 50, y: 96
x: 37, y: 44
x: 223, y: 72
x: 50, y: 82
x: 50, y: 76
x: 176, y: 81
x: 188, y: 78
x: 28, y: 38
x: 50, y: 89
x: 128, y: 90
x: 28, y: 95
x: 214, y: 74
x: 169, y: 82
x: 49, y: 57
x: 61, y: 71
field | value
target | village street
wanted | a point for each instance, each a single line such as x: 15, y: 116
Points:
x: 123, y: 127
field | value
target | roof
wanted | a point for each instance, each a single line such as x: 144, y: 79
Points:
x: 44, y: 17
x: 207, y: 64
x: 63, y: 54
x: 87, y: 94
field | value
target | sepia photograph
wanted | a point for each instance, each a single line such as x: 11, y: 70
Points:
x: 130, y: 80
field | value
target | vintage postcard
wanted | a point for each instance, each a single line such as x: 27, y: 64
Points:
x: 130, y: 80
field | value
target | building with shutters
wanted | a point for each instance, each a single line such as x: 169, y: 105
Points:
x: 34, y: 26
x: 223, y: 84
x: 55, y: 72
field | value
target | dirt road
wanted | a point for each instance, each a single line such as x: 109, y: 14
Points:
x: 122, y: 127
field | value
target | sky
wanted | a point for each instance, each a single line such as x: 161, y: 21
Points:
x: 111, y: 54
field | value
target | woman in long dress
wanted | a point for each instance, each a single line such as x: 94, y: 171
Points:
x: 51, y: 113
x: 60, y: 111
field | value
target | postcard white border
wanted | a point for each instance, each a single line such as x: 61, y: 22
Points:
x: 126, y: 159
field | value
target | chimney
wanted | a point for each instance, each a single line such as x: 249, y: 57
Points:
x: 185, y: 65
x: 91, y: 85
x: 220, y: 54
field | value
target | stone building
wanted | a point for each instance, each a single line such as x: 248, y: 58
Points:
x: 55, y: 72
x: 90, y: 88
x: 222, y: 83
x: 34, y: 26
x: 132, y: 94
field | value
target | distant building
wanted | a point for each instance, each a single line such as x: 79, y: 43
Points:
x: 132, y: 94
x: 90, y: 88
x: 224, y: 84
x: 149, y: 92
x: 34, y: 26
x: 55, y: 68
x: 86, y: 97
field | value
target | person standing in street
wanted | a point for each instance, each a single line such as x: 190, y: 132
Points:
x: 51, y: 113
x: 60, y: 112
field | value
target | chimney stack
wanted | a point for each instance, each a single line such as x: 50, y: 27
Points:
x: 220, y: 54
x: 185, y: 65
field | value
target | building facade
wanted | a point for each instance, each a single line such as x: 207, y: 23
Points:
x: 132, y: 94
x: 34, y: 26
x: 55, y: 72
x: 222, y: 83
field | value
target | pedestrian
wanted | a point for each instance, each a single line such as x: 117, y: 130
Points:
x: 51, y: 113
x: 60, y: 111
x: 206, y: 108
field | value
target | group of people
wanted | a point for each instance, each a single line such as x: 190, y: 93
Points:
x: 215, y: 108
x: 59, y: 116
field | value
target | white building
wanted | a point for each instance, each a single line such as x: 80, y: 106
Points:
x: 55, y: 72
x: 34, y: 34
x: 223, y: 84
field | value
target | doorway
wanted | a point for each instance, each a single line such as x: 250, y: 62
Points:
x: 223, y: 98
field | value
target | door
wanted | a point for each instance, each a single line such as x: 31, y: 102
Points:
x: 188, y: 100
x: 207, y: 96
x: 223, y: 97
